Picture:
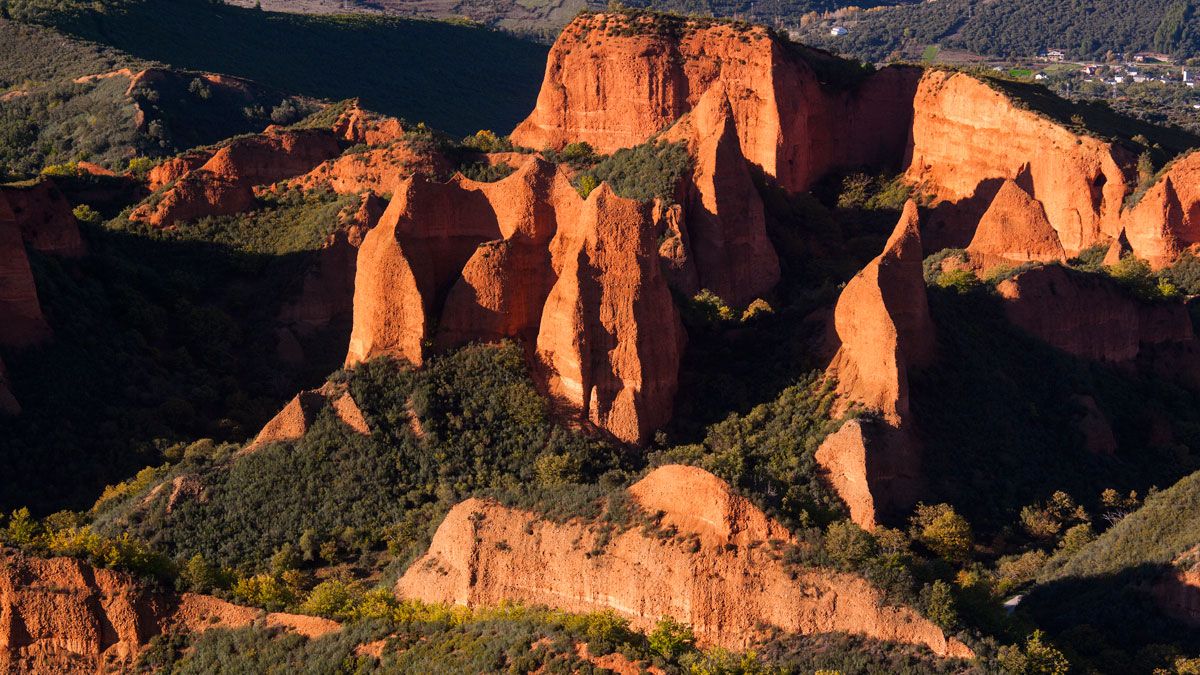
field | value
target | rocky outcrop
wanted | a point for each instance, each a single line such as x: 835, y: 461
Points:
x: 1089, y: 316
x: 60, y: 615
x: 967, y: 138
x: 21, y: 320
x: 883, y: 328
x: 173, y: 169
x: 721, y: 572
x: 1166, y: 220
x: 614, y: 81
x: 726, y: 226
x: 44, y: 217
x: 610, y: 340
x: 291, y: 423
x: 883, y: 325
x: 1014, y: 229
x: 379, y: 170
x: 225, y: 183
x: 526, y: 258
x: 360, y: 126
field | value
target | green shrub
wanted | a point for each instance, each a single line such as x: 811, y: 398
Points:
x: 671, y: 638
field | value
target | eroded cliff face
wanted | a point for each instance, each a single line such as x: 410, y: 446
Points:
x: 8, y: 402
x: 614, y: 81
x: 721, y: 573
x: 526, y: 258
x: 883, y: 326
x: 1014, y: 229
x: 60, y: 615
x: 1166, y: 220
x: 1090, y: 316
x: 726, y: 232
x: 224, y: 183
x: 968, y: 138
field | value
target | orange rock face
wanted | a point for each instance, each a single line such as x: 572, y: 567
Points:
x: 966, y: 135
x: 297, y: 416
x: 225, y: 183
x: 60, y: 615
x: 1167, y: 218
x: 1090, y: 317
x: 724, y: 214
x: 1177, y: 593
x: 727, y: 589
x: 175, y: 168
x: 614, y: 81
x: 883, y: 324
x: 1015, y: 229
x: 526, y: 258
x: 379, y: 170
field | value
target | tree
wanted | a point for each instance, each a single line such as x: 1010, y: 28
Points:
x: 937, y: 600
x: 671, y: 638
x: 943, y: 531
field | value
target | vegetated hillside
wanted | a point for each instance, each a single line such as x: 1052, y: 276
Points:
x: 1017, y: 28
x: 544, y: 18
x: 63, y: 100
x: 428, y: 71
x: 1104, y: 603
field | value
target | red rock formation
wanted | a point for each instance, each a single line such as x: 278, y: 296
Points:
x: 610, y: 339
x: 724, y: 213
x: 380, y: 170
x: 1015, y: 229
x: 44, y: 216
x: 1117, y: 249
x: 60, y: 615
x: 297, y: 416
x: 175, y: 168
x: 21, y: 320
x: 967, y: 135
x: 1089, y: 316
x: 883, y: 324
x: 526, y: 258
x: 225, y: 183
x: 1166, y: 220
x: 357, y: 125
x: 727, y: 589
x: 614, y: 81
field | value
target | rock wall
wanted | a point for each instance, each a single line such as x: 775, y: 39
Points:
x: 224, y: 183
x: 44, y: 217
x: 60, y: 615
x: 968, y: 138
x: 719, y: 574
x: 1166, y: 220
x: 1090, y: 316
x: 527, y: 258
x: 21, y: 320
x: 614, y: 81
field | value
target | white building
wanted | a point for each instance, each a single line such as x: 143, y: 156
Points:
x: 838, y: 30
